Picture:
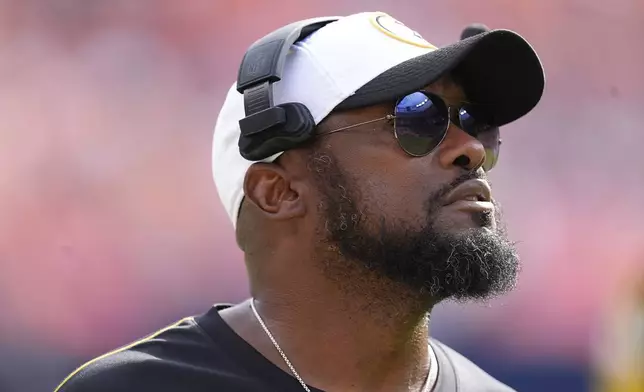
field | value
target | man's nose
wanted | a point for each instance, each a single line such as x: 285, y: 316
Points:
x: 461, y: 149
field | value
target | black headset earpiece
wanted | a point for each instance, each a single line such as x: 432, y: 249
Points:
x: 268, y: 129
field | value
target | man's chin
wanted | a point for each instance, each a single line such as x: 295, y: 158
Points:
x: 472, y: 264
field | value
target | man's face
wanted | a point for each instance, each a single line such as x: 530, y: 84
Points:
x: 389, y: 212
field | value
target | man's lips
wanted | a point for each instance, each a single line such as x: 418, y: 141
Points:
x: 472, y: 191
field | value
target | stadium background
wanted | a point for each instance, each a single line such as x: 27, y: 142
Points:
x: 110, y: 226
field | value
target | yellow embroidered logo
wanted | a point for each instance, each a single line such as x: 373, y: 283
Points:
x: 397, y: 30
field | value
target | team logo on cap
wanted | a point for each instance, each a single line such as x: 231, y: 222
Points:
x: 396, y: 29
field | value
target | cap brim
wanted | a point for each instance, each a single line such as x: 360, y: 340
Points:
x: 498, y: 69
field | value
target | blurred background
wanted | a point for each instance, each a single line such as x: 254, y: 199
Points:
x: 110, y: 225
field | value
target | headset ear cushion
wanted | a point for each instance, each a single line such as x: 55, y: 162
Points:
x: 299, y: 127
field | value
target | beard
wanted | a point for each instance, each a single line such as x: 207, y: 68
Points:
x: 431, y: 261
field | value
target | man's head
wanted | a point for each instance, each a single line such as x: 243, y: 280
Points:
x: 353, y: 200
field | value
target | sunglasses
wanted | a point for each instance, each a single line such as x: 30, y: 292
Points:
x: 421, y: 121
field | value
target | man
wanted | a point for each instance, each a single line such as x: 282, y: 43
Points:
x: 351, y: 237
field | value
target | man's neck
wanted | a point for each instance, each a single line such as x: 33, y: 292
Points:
x: 362, y: 335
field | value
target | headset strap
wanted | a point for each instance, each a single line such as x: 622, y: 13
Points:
x: 263, y: 63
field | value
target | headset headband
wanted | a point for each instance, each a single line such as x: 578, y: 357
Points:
x: 262, y: 65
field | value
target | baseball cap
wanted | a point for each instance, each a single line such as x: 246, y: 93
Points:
x: 369, y: 58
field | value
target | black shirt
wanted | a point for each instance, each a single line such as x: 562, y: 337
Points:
x: 203, y: 354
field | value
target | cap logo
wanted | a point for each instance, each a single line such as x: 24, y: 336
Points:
x: 397, y: 30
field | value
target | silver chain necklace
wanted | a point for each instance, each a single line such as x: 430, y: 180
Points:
x: 426, y: 388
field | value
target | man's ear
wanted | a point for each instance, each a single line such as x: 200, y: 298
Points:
x: 271, y: 189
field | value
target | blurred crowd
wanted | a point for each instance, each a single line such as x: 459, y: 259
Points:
x: 110, y: 225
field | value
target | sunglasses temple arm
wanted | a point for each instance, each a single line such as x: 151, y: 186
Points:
x: 387, y: 117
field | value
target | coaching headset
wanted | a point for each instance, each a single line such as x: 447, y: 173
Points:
x: 267, y: 129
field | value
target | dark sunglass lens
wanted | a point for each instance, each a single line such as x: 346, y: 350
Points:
x: 467, y: 121
x: 421, y: 122
x: 488, y: 135
x: 491, y: 139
